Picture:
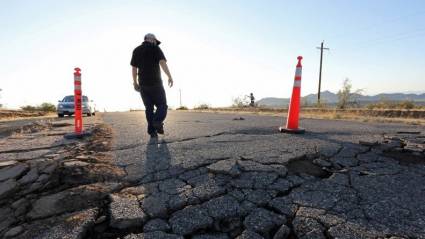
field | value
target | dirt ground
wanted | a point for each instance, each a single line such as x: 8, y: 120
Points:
x: 7, y: 115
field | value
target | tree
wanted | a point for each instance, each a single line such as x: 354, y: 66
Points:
x: 241, y: 101
x: 47, y: 107
x: 345, y: 95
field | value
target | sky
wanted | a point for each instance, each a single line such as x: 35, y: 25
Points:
x: 216, y: 50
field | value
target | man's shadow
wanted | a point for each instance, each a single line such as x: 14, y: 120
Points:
x: 158, y: 157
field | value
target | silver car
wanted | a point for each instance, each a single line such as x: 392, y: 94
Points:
x: 66, y: 106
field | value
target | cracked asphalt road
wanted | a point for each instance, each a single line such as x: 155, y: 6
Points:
x: 212, y: 176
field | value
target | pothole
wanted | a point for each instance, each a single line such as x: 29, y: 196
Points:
x: 306, y: 166
x: 405, y: 158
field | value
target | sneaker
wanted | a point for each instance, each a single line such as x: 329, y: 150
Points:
x: 159, y: 127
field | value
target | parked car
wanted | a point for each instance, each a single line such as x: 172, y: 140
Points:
x: 66, y: 106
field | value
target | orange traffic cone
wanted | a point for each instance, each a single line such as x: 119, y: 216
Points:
x: 294, y: 105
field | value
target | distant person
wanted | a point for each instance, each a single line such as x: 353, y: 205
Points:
x: 251, y: 97
x: 147, y: 80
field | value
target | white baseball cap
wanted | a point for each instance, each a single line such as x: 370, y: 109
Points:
x: 152, y: 36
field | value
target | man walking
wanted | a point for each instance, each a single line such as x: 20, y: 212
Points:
x: 146, y: 61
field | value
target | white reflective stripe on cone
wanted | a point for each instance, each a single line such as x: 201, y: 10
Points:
x: 298, y: 71
x: 297, y: 83
x: 77, y: 87
x: 77, y: 78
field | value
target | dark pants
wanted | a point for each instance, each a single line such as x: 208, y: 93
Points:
x: 154, y: 96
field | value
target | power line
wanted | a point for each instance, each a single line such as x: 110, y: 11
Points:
x: 320, y: 71
x: 378, y: 25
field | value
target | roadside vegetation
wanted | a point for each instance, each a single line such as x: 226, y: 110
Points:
x: 384, y: 104
x: 182, y: 108
x: 347, y: 107
x: 242, y: 102
x: 45, y: 107
x: 346, y: 96
x: 202, y: 107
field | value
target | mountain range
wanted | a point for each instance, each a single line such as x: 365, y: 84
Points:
x: 332, y: 98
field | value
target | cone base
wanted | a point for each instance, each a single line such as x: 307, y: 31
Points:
x: 291, y: 131
x: 77, y: 136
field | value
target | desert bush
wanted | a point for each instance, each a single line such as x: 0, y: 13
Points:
x: 29, y: 108
x: 202, y: 107
x: 241, y: 101
x: 384, y: 104
x: 182, y: 108
x: 321, y: 104
x: 406, y: 104
x: 337, y: 116
x: 346, y: 97
x: 46, y: 107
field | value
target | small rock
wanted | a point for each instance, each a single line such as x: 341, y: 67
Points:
x: 156, y: 225
x: 8, y: 187
x: 12, y: 172
x: 13, y: 232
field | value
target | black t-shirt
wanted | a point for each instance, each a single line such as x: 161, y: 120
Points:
x: 146, y: 57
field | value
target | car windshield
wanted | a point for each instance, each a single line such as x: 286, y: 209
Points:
x: 70, y: 98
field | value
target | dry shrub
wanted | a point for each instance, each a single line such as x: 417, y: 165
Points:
x: 202, y: 107
x: 383, y: 104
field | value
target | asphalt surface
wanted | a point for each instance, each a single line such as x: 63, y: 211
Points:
x: 222, y: 176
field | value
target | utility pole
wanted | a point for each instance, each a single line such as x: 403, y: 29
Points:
x: 320, y: 71
x: 180, y: 91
